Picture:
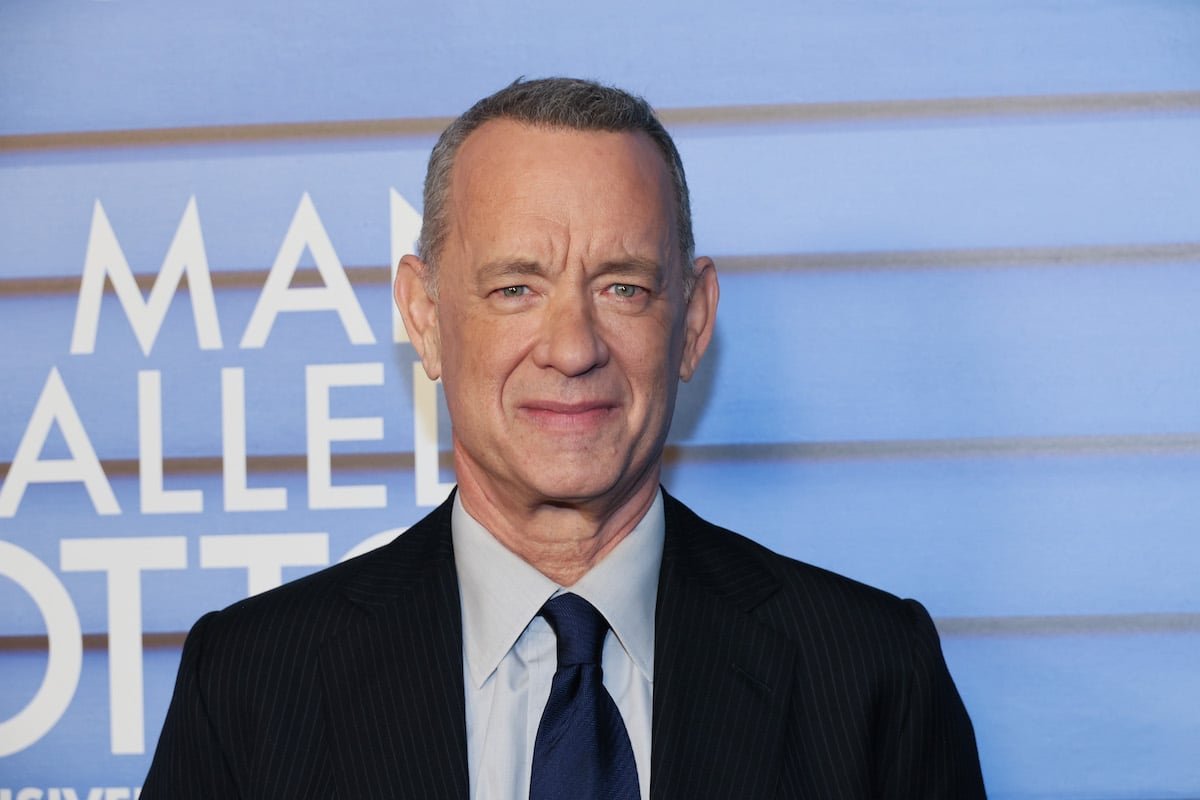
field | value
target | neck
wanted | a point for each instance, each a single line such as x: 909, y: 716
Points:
x: 561, y: 540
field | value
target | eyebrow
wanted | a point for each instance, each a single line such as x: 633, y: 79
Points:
x: 644, y: 270
x: 641, y: 269
x: 495, y: 270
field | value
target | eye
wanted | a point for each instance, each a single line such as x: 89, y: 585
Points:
x: 514, y: 291
x: 626, y: 290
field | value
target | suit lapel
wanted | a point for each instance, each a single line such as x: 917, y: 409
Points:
x: 721, y: 679
x: 394, y: 686
x: 393, y: 679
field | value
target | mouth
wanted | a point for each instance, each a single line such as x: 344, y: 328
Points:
x: 577, y: 416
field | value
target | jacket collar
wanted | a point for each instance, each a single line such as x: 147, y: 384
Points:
x: 722, y: 678
x: 393, y: 679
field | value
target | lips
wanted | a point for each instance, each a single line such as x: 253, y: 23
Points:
x: 575, y: 416
x: 555, y: 407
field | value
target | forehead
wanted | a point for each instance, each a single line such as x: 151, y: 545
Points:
x: 511, y: 175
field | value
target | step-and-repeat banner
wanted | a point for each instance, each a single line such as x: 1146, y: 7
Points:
x: 955, y: 354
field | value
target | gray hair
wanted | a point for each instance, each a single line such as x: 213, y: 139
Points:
x: 551, y: 103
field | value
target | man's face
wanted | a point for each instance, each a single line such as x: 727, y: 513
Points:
x: 560, y: 329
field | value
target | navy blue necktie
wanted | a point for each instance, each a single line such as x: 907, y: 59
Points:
x: 582, y: 750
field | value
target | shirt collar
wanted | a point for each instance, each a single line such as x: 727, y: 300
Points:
x: 501, y: 593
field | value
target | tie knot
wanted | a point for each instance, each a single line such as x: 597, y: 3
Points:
x: 579, y: 627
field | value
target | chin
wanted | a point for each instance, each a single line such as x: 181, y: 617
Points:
x: 588, y: 485
x: 575, y: 489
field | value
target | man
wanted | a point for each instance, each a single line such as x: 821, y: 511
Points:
x: 557, y: 298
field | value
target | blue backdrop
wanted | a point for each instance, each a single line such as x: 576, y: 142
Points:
x: 955, y: 357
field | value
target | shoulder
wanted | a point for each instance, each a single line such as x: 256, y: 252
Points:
x: 254, y: 676
x: 872, y: 698
x: 803, y: 602
x: 299, y: 616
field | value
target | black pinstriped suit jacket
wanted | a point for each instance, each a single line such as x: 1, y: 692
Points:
x: 773, y: 679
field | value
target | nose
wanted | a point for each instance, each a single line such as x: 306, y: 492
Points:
x: 570, y: 340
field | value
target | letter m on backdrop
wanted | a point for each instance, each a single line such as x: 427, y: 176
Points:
x: 106, y: 259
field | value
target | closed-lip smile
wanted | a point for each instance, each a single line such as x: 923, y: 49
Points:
x: 554, y: 413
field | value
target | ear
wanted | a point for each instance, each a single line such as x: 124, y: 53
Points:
x: 420, y: 312
x: 700, y: 316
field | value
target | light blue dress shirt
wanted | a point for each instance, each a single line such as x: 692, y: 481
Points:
x: 509, y: 655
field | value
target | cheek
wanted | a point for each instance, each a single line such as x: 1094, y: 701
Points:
x: 650, y: 372
x: 487, y: 356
